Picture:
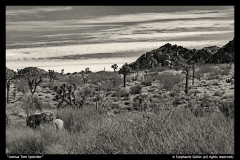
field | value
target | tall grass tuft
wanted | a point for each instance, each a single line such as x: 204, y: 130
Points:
x: 169, y: 80
x: 172, y: 131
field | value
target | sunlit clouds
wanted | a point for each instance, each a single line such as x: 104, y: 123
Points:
x: 32, y: 35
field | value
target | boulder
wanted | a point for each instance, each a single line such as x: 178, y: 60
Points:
x: 59, y: 124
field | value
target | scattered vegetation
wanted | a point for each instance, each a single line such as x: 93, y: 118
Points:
x: 169, y: 80
x: 150, y: 116
x: 136, y: 89
x: 147, y: 81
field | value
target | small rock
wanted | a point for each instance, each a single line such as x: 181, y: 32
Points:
x: 180, y: 102
x: 228, y: 95
x: 22, y: 115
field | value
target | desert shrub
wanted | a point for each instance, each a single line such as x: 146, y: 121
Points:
x: 104, y: 76
x: 87, y: 91
x: 79, y: 120
x: 193, y: 92
x: 48, y: 84
x: 140, y: 103
x: 215, y: 74
x: 30, y: 104
x: 169, y: 80
x: 120, y: 93
x: 221, y: 71
x: 227, y: 108
x: 206, y: 68
x: 158, y: 69
x: 116, y: 81
x: 198, y: 75
x: 97, y: 78
x: 46, y: 105
x: 147, y: 81
x: 225, y: 67
x: 217, y: 93
x: 136, y: 89
x: 76, y: 80
x: 128, y: 79
x: 175, y: 93
x: 206, y: 101
x: 123, y: 93
x: 135, y: 78
x: 115, y: 94
x: 22, y: 86
x: 55, y: 88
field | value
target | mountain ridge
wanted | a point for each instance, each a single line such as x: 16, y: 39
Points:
x: 180, y: 54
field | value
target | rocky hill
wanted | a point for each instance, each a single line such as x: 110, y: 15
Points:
x: 10, y: 73
x: 159, y: 55
x: 225, y: 54
x: 179, y: 54
x: 28, y: 69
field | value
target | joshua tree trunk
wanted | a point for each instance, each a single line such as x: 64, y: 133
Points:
x: 8, y: 86
x: 7, y: 94
x: 186, y: 89
x: 124, y: 81
x: 193, y: 67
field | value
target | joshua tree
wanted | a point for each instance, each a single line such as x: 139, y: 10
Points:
x: 87, y: 70
x: 186, y: 71
x: 114, y: 66
x: 8, y: 82
x: 62, y: 71
x: 125, y: 70
x: 19, y: 73
x: 67, y: 94
x: 85, y: 78
x: 193, y: 76
x: 52, y: 75
x: 34, y: 79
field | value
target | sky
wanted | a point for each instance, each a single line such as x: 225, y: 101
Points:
x: 77, y: 37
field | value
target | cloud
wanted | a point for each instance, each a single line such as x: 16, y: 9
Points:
x: 15, y: 59
x: 120, y: 28
x: 144, y: 17
x: 35, y: 11
x: 124, y: 19
x: 118, y: 48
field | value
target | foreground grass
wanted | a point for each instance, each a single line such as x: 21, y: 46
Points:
x: 87, y: 131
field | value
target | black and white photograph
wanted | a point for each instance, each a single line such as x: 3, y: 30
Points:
x: 155, y: 80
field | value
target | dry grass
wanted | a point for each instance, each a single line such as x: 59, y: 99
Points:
x: 175, y: 131
x: 168, y: 80
x: 161, y: 128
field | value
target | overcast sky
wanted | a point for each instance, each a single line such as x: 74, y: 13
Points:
x: 98, y: 24
x: 116, y: 28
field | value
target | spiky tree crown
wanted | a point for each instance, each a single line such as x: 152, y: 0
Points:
x: 114, y: 66
x: 125, y: 70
